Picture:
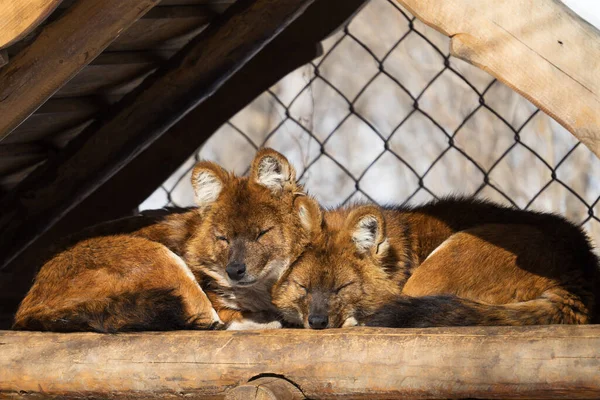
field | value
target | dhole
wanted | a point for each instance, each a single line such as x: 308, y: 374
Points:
x: 448, y: 263
x: 234, y: 245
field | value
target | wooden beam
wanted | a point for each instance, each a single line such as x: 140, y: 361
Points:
x: 3, y: 58
x: 59, y: 52
x: 167, y: 27
x: 494, y: 362
x: 21, y: 17
x: 186, y: 80
x: 540, y: 48
x: 113, y: 73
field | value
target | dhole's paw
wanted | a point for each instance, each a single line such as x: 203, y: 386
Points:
x: 247, y: 324
x: 212, y: 321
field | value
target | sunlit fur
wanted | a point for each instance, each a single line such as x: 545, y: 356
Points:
x: 250, y: 223
x: 448, y: 263
x: 152, y: 277
x: 337, y: 270
x: 115, y: 283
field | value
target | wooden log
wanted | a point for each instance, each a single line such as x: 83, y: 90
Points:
x: 494, y: 362
x: 18, y: 18
x: 265, y: 389
x: 540, y: 48
x: 186, y: 80
x: 61, y: 50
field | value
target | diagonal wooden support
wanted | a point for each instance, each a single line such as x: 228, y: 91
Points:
x: 539, y: 48
x: 60, y: 51
x: 186, y: 80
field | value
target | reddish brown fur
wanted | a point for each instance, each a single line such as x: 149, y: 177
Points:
x: 74, y: 290
x: 497, y: 266
x: 232, y: 231
x: 109, y: 283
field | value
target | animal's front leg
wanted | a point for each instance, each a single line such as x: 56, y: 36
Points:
x: 250, y: 321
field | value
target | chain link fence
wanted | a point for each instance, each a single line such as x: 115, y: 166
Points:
x: 387, y: 115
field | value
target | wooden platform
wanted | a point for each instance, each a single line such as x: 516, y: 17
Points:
x: 491, y: 362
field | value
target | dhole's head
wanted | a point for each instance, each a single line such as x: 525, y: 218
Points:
x: 250, y: 231
x: 340, y: 276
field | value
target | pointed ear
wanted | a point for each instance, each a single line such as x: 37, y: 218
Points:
x: 310, y: 214
x: 367, y: 230
x: 208, y: 181
x: 273, y: 170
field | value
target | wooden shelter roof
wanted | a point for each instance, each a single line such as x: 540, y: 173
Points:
x: 121, y: 67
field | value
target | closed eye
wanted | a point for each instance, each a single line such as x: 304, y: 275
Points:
x: 263, y: 232
x: 302, y: 286
x: 345, y: 285
x: 222, y: 238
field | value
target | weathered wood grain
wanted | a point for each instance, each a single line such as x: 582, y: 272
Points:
x: 54, y: 117
x: 59, y: 52
x: 18, y: 18
x: 3, y: 58
x: 265, y: 389
x: 496, y: 362
x: 167, y: 27
x: 539, y: 48
x: 113, y: 73
x: 187, y: 79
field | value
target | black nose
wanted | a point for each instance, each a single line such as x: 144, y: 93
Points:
x: 318, y: 321
x: 236, y: 271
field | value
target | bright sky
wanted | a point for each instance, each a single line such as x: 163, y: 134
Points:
x: 587, y: 9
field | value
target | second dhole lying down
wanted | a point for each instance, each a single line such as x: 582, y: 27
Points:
x: 453, y: 262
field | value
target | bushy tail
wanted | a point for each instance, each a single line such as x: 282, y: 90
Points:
x: 151, y: 310
x: 553, y: 307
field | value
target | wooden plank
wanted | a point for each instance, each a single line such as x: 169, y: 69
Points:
x: 114, y: 73
x: 187, y: 79
x: 14, y: 157
x: 167, y: 27
x: 494, y: 362
x: 12, y: 179
x: 539, y: 48
x: 3, y: 58
x: 56, y: 116
x: 59, y: 52
x: 68, y: 3
x: 21, y: 17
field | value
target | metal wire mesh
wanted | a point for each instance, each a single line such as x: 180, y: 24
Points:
x: 477, y: 139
